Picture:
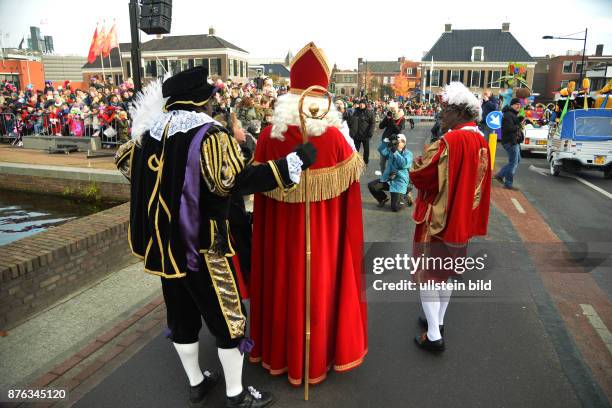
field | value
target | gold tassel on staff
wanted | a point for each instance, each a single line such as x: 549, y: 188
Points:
x: 313, y: 114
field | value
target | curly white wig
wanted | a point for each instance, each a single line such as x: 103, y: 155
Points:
x: 457, y: 94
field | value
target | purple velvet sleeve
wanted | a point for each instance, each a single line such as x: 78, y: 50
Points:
x: 189, y: 212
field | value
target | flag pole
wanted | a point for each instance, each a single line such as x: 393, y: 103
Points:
x: 313, y: 114
x: 103, y: 73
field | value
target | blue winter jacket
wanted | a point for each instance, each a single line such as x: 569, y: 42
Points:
x: 398, y: 162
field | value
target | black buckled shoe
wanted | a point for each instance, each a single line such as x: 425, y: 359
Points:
x: 424, y: 325
x: 250, y: 398
x: 423, y: 342
x: 198, y: 393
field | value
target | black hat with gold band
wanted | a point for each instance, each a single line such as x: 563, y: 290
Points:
x: 188, y: 90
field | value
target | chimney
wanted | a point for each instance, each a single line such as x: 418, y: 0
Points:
x: 599, y: 50
x: 211, y: 30
x: 359, y: 61
x: 401, y: 60
x: 505, y: 27
x: 447, y: 28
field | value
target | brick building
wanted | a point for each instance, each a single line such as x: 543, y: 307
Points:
x: 344, y: 82
x: 21, y: 70
x: 555, y: 72
x: 477, y: 58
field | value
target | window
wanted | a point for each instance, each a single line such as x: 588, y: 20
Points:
x: 128, y: 66
x: 151, y: 69
x: 175, y: 66
x: 410, y: 71
x: 236, y: 68
x: 477, y: 53
x: 12, y: 79
x: 215, y: 66
x: 567, y: 67
x: 494, y: 81
x: 475, y: 79
x: 242, y: 64
x: 162, y: 67
x: 455, y: 75
x: 230, y: 67
x: 564, y: 83
x: 185, y: 65
x: 391, y: 80
x: 435, y: 77
x: 342, y: 91
x: 578, y: 66
x: 352, y: 91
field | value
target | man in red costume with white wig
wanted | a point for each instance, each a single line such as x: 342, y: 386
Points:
x: 337, y: 302
x: 453, y: 178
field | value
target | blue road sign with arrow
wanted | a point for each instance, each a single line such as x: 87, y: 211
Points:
x: 494, y: 120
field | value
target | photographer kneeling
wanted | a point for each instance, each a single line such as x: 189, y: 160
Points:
x: 395, y: 177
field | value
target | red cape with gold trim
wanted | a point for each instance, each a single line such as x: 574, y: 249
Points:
x: 338, y: 305
x: 454, y: 183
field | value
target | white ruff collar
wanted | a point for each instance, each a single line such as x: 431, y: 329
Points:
x: 180, y: 121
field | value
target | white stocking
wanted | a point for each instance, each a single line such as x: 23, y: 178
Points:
x: 444, y: 299
x: 188, y: 353
x: 431, y: 306
x: 231, y: 360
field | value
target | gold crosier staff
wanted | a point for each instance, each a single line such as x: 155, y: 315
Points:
x: 314, y: 114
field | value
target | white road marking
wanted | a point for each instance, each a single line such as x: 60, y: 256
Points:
x: 539, y: 170
x: 545, y: 172
x: 598, y: 324
x: 593, y: 186
x: 518, y: 206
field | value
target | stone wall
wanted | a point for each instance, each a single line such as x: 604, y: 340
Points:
x: 65, y: 181
x: 39, y: 270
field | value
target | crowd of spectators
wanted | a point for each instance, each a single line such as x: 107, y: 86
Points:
x: 101, y: 110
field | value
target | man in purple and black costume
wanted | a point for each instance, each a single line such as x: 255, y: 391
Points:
x: 183, y: 167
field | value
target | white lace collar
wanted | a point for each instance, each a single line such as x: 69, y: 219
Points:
x: 180, y: 121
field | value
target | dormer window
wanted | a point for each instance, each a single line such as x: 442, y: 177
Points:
x: 477, y: 54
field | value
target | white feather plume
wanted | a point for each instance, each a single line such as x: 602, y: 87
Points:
x: 147, y: 106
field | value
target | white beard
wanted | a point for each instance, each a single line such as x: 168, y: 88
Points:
x: 286, y: 113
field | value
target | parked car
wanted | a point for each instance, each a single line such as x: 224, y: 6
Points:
x: 535, y: 139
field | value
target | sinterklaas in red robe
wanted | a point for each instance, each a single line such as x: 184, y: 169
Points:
x: 277, y: 287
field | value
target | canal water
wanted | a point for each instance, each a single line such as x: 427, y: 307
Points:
x: 24, y: 214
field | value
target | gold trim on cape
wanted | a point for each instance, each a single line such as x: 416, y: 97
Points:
x: 483, y: 164
x: 227, y: 293
x: 324, y: 183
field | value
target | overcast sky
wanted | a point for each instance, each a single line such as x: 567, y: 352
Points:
x: 346, y: 30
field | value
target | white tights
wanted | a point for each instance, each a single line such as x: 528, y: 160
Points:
x: 434, y: 304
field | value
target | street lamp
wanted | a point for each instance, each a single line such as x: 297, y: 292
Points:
x: 550, y: 37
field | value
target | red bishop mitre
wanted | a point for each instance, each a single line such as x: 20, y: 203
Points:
x: 308, y: 68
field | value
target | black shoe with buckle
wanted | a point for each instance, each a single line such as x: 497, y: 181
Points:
x: 424, y: 325
x: 198, y: 393
x: 250, y: 398
x: 436, y: 346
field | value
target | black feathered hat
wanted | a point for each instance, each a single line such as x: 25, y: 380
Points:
x: 188, y: 90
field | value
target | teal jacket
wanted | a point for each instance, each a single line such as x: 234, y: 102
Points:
x: 398, y: 163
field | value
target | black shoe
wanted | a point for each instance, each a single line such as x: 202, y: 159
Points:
x: 250, y: 398
x: 433, y: 346
x: 425, y: 326
x: 382, y: 203
x: 500, y: 179
x: 198, y: 393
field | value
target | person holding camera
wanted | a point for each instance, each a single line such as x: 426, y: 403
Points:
x: 395, y: 177
x: 393, y: 124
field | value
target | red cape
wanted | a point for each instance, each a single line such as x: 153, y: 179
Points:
x: 338, y: 305
x: 465, y: 176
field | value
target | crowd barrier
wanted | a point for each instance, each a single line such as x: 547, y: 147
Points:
x: 111, y: 133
